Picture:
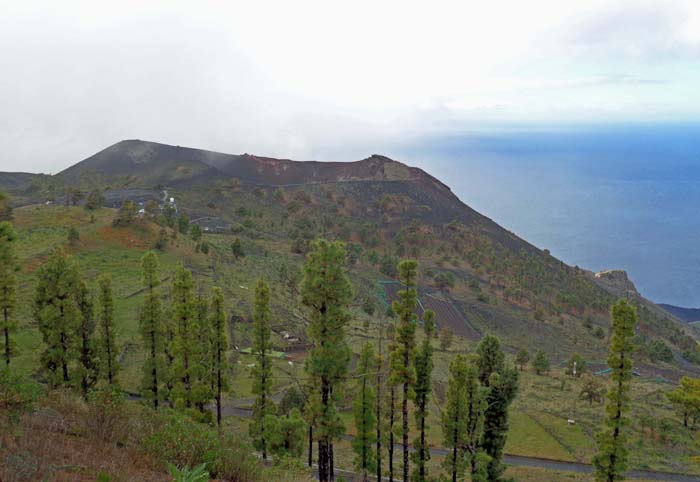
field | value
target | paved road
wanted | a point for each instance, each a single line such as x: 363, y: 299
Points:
x: 515, y: 460
x: 518, y: 460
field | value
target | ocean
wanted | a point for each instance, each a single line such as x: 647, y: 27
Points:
x: 597, y: 196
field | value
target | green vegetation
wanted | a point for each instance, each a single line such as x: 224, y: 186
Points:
x: 364, y: 416
x: 152, y: 331
x: 403, y: 370
x: 421, y: 395
x: 261, y: 373
x: 537, y: 418
x: 107, y: 343
x: 326, y: 292
x: 502, y: 385
x: 611, y: 461
x: 8, y: 289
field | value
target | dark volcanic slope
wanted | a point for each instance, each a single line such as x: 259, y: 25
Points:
x: 141, y: 164
x: 148, y: 161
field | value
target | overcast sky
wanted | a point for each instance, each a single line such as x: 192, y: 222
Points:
x: 298, y: 79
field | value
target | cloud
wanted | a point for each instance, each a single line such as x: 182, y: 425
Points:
x: 641, y: 29
x: 306, y: 78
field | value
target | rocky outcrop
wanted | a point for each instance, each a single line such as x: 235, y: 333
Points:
x: 617, y: 283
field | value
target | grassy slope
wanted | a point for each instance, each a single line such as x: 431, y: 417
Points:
x: 538, y: 424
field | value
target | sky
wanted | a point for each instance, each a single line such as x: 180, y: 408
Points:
x: 306, y: 79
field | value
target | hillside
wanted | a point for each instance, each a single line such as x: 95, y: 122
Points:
x: 477, y: 275
x: 538, y: 419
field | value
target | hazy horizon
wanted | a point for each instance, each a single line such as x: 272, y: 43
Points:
x: 300, y: 80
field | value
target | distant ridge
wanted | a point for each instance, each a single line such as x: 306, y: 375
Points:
x: 686, y: 314
x: 148, y: 163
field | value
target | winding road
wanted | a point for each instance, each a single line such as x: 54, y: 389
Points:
x: 516, y: 460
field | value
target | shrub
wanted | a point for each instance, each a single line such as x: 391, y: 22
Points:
x: 185, y: 474
x: 108, y: 416
x: 659, y: 351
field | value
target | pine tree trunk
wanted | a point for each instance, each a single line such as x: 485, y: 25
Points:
x: 311, y: 444
x: 218, y: 391
x: 64, y: 360
x: 6, y: 317
x: 109, y: 353
x: 455, y: 441
x: 263, y: 383
x: 405, y: 429
x: 85, y: 362
x: 7, y: 344
x: 422, y: 442
x: 331, y: 462
x: 379, y: 430
x: 154, y: 370
x: 324, y: 455
x: 378, y: 409
x: 391, y: 435
x: 322, y: 461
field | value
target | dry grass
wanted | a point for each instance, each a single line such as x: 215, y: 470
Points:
x: 53, y: 442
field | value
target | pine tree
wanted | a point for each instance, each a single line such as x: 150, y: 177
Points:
x: 392, y: 409
x: 152, y: 330
x: 522, y: 358
x: 286, y: 434
x: 57, y: 315
x: 185, y: 351
x: 326, y: 292
x: 379, y: 363
x: 476, y: 400
x: 237, y: 249
x: 363, y: 410
x: 502, y: 384
x: 402, y: 369
x: 203, y: 388
x: 454, y: 418
x: 686, y: 399
x: 217, y: 316
x: 8, y: 287
x: 262, y: 371
x: 541, y: 363
x: 108, y: 335
x: 88, y: 368
x: 424, y: 366
x: 611, y: 461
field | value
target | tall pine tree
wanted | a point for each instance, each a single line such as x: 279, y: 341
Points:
x: 326, y: 292
x: 262, y: 371
x: 421, y: 395
x: 88, y: 368
x: 502, y: 384
x: 454, y: 418
x: 379, y: 380
x: 219, y: 346
x: 204, y: 389
x: 402, y: 369
x: 57, y: 315
x: 152, y: 330
x: 184, y: 346
x: 8, y: 284
x: 108, y: 335
x: 611, y: 461
x: 363, y: 411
